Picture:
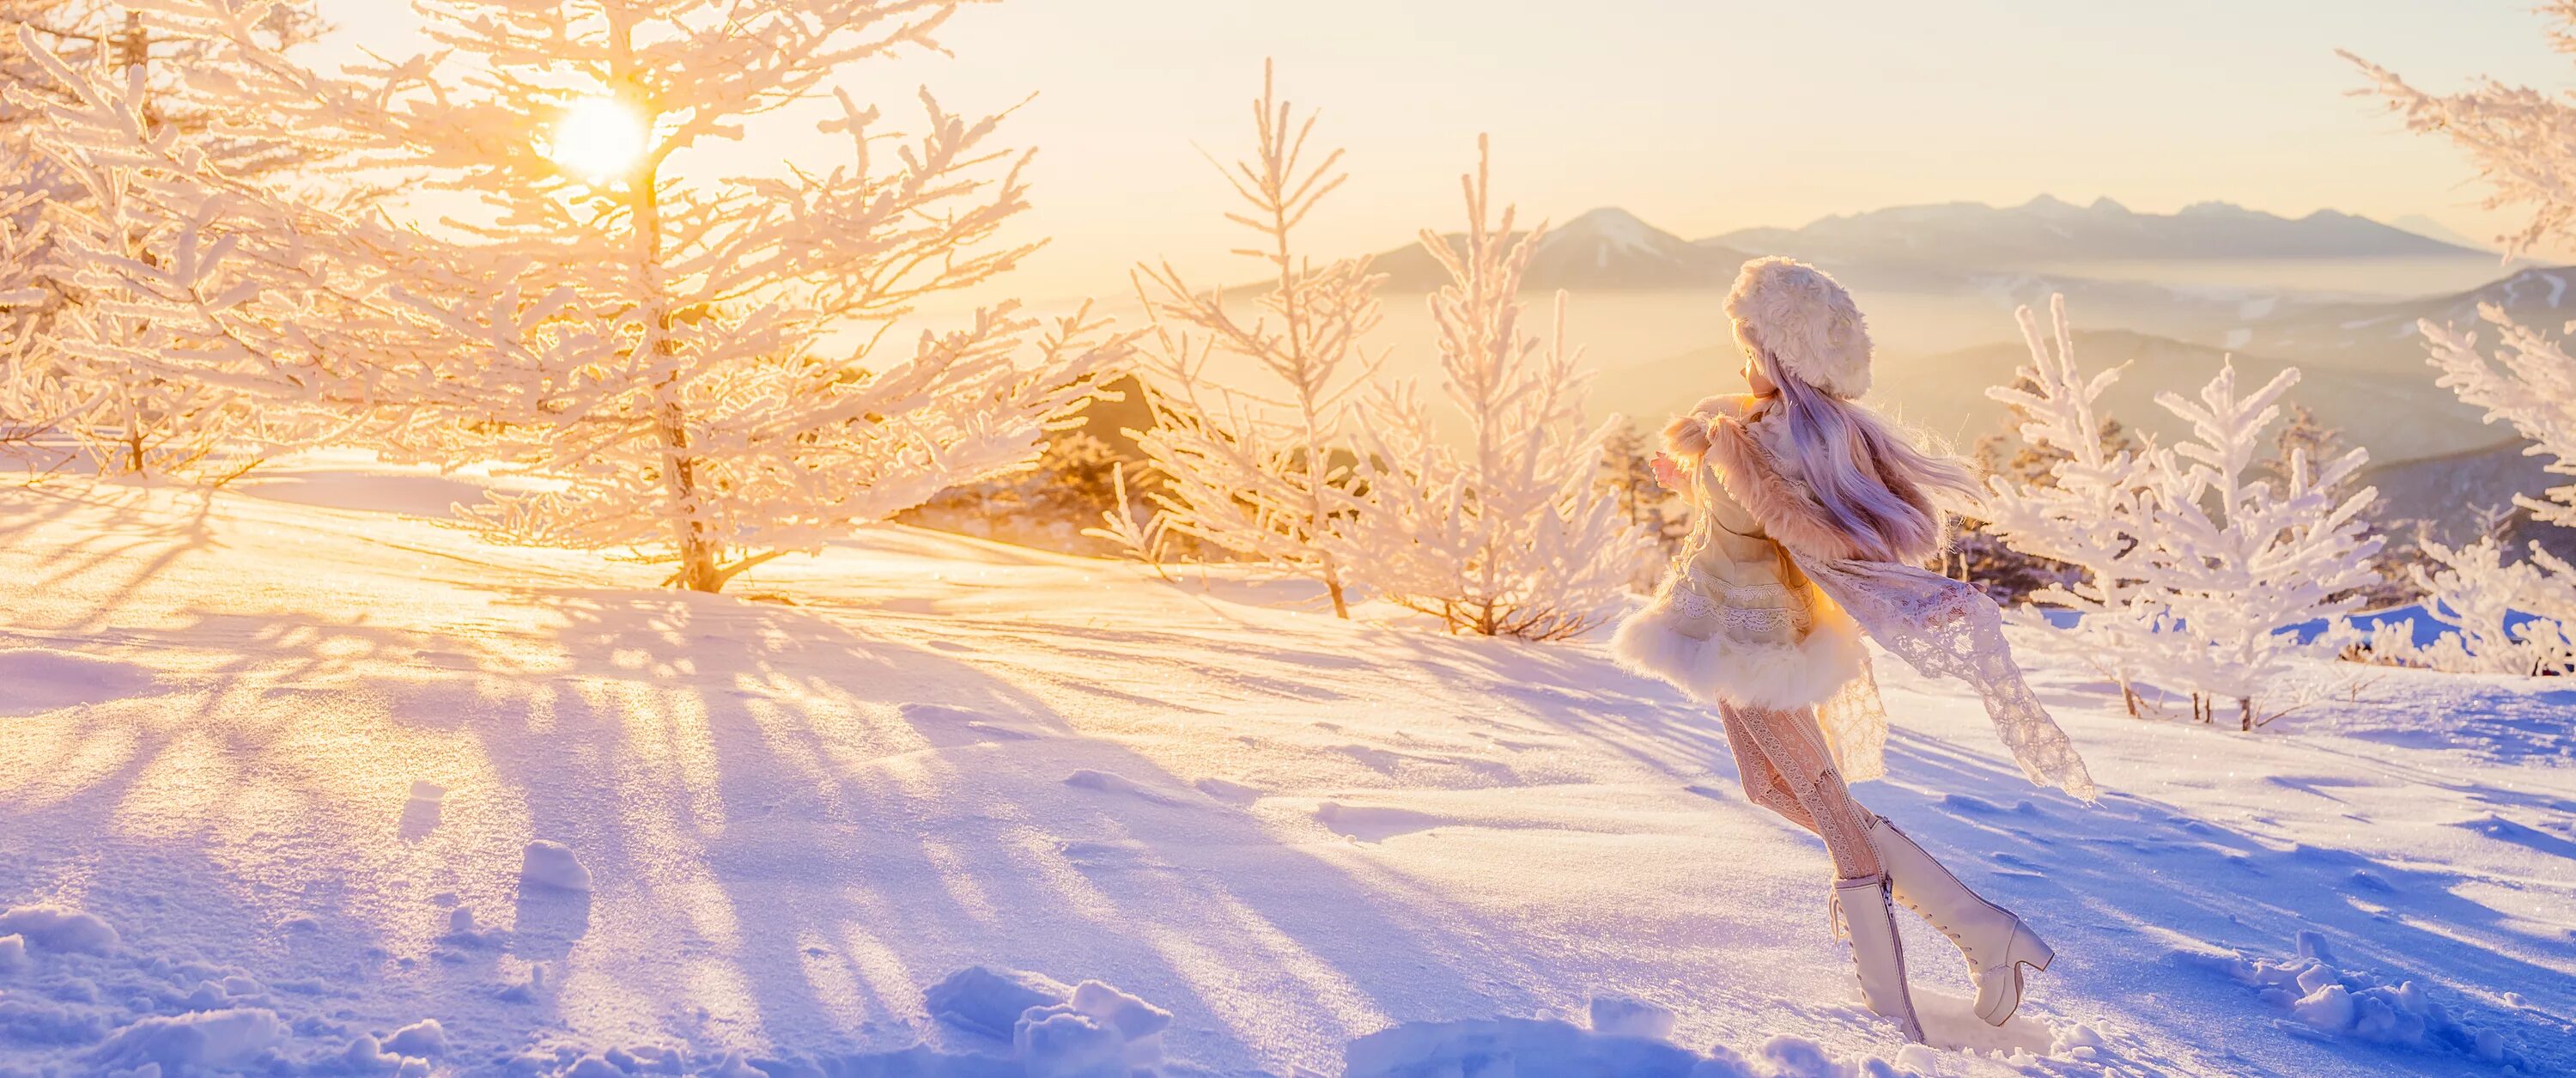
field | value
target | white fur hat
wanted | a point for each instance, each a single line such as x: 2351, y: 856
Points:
x: 1806, y: 323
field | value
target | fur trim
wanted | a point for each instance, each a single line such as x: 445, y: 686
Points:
x: 1805, y: 321
x: 1791, y: 516
x: 1718, y: 670
x: 1687, y: 435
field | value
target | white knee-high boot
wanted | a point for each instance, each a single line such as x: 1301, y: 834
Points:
x: 1995, y: 942
x: 1870, y: 923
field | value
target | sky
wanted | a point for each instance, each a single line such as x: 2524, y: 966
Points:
x: 1700, y: 116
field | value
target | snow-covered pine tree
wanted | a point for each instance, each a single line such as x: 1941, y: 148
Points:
x: 706, y: 361
x: 2242, y: 560
x: 2516, y: 137
x: 2092, y: 513
x: 2475, y: 592
x: 1508, y: 533
x: 122, y: 350
x: 1627, y: 472
x: 2193, y: 568
x: 1253, y: 470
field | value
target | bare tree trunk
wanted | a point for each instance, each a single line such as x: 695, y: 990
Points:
x: 2245, y: 712
x: 698, y: 554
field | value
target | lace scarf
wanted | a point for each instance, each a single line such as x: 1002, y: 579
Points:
x: 1942, y: 628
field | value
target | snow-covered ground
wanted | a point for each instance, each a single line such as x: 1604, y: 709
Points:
x: 274, y: 777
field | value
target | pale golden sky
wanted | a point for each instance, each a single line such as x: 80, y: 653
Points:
x: 1698, y: 115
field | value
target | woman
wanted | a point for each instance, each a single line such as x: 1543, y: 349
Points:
x: 1812, y: 514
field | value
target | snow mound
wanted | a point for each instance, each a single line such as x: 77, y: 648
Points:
x: 551, y: 864
x: 57, y: 928
x: 1624, y: 1017
x: 13, y: 952
x: 1546, y: 1047
x: 230, y: 1039
x: 1088, y: 1031
x: 2362, y: 1006
x: 989, y: 1002
x: 423, y: 1038
x: 40, y: 681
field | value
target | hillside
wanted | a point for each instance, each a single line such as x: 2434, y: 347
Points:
x: 272, y: 774
x: 2383, y: 335
x: 2451, y: 494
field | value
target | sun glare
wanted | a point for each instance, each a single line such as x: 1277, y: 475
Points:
x: 598, y: 139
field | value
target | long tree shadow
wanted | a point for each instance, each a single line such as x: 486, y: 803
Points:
x: 792, y: 829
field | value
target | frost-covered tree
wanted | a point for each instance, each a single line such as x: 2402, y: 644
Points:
x: 1506, y: 532
x: 2193, y: 569
x: 705, y: 360
x: 1627, y: 472
x: 2476, y: 594
x: 2242, y: 561
x: 2517, y: 138
x: 2088, y: 507
x: 121, y: 350
x: 1251, y: 466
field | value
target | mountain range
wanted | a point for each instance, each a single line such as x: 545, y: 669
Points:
x: 2047, y: 229
x: 1611, y: 249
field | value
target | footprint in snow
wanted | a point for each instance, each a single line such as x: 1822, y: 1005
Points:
x: 1120, y: 854
x: 956, y: 727
x: 420, y: 811
x: 1977, y: 806
x: 1373, y: 823
x: 1229, y: 792
x: 1109, y: 783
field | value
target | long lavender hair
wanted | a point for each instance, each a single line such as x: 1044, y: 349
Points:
x: 1861, y: 468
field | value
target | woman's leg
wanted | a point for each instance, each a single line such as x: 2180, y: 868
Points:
x: 1763, y: 783
x: 1798, y: 780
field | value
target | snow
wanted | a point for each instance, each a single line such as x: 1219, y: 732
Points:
x: 294, y: 758
x: 230, y: 1039
x: 2359, y: 1005
x: 550, y: 864
x: 54, y: 928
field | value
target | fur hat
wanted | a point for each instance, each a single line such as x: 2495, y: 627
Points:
x: 1805, y: 322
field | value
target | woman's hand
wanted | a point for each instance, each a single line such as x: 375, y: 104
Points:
x: 1667, y: 473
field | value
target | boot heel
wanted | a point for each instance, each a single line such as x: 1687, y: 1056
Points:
x: 2028, y: 948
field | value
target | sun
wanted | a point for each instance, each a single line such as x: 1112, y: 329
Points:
x: 599, y: 139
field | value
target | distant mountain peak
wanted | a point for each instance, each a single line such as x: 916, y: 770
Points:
x: 1604, y: 248
x: 1607, y: 217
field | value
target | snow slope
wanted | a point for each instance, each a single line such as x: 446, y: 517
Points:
x: 271, y: 772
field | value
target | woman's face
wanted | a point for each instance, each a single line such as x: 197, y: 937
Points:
x: 1754, y: 379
